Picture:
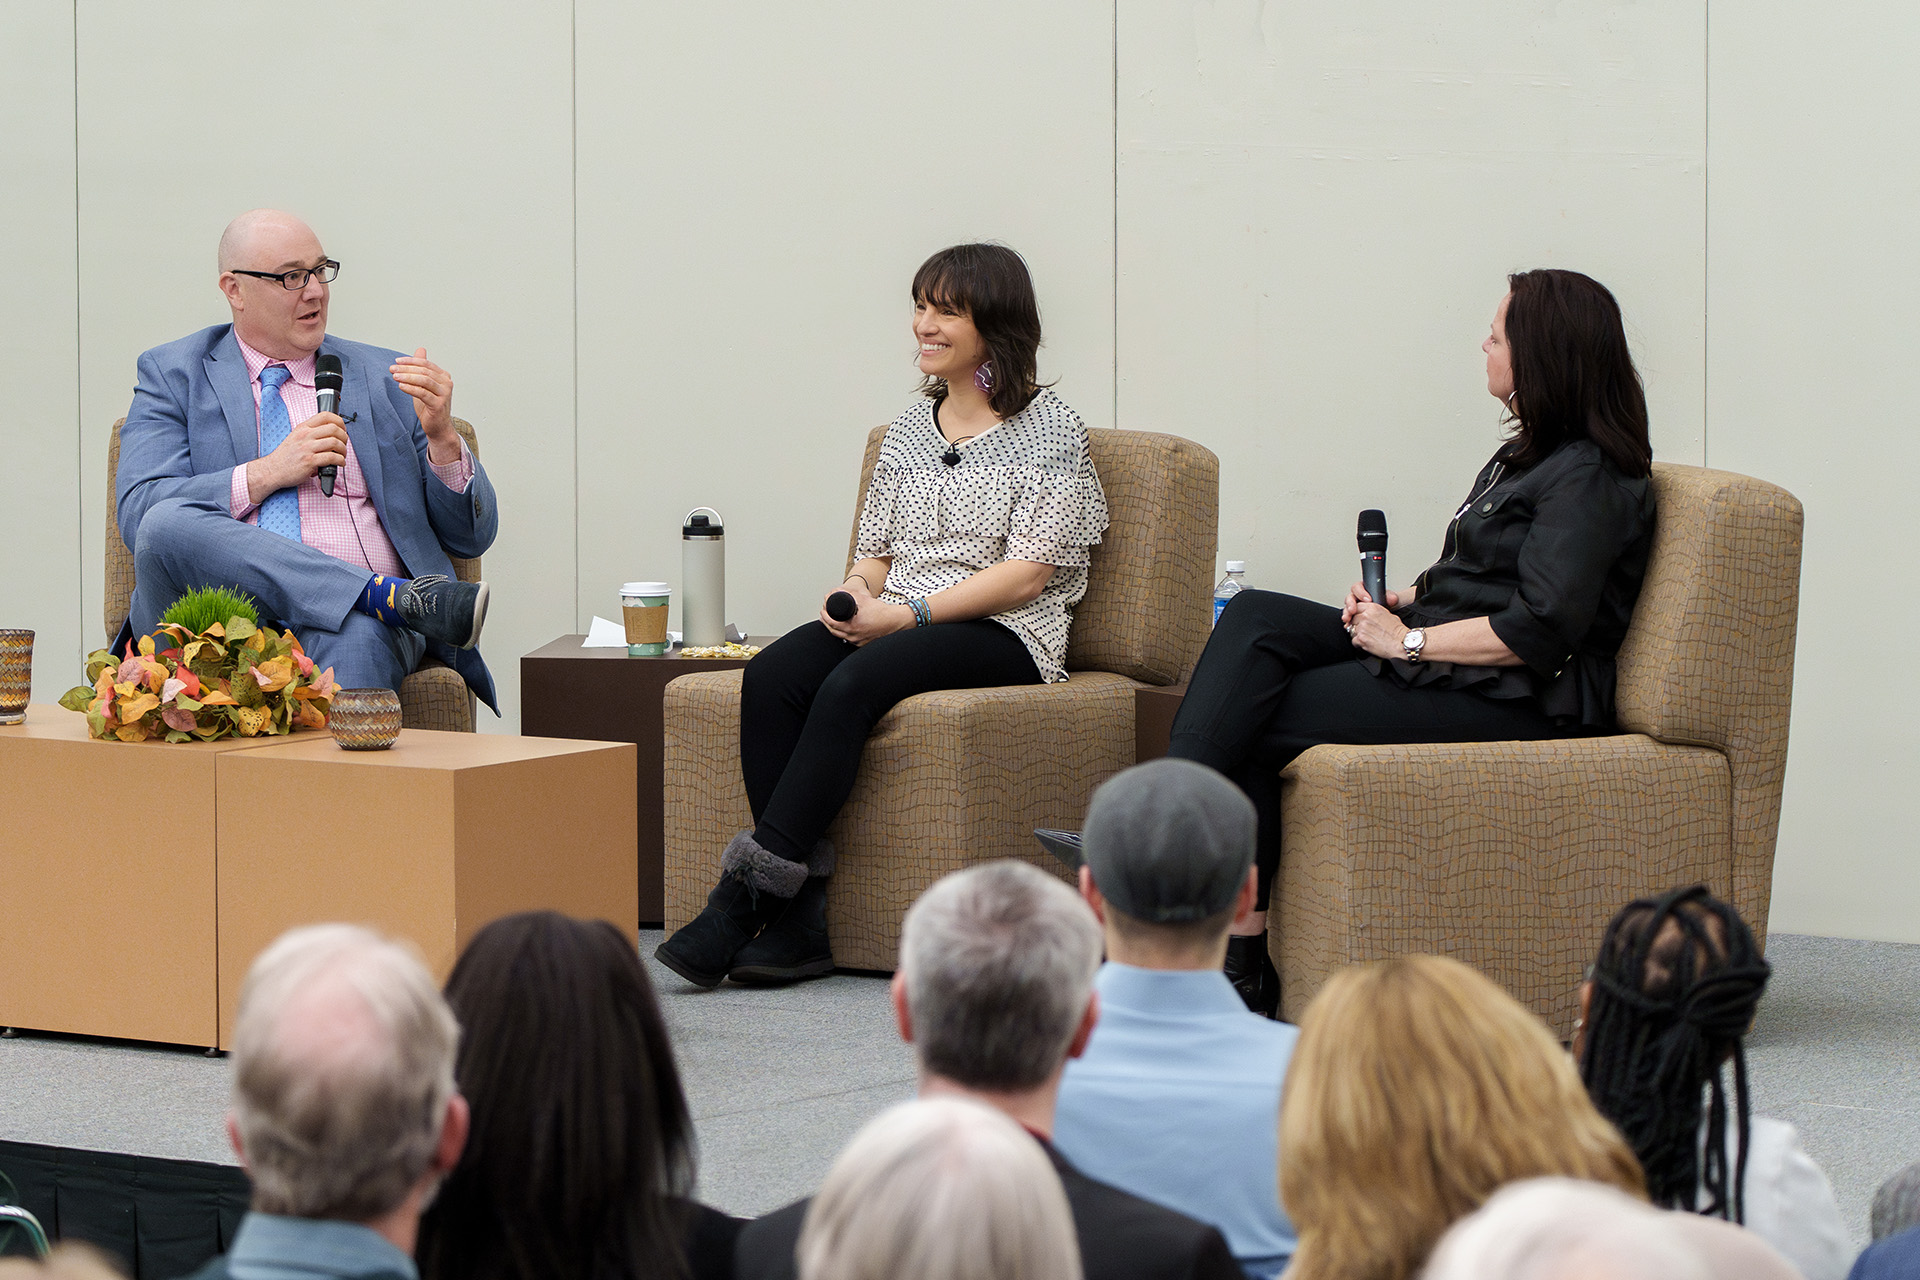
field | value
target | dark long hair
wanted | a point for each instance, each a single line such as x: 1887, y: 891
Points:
x: 1573, y: 377
x: 1675, y: 988
x: 990, y: 284
x: 581, y: 1152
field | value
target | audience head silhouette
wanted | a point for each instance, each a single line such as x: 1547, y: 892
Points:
x: 1169, y: 851
x: 1419, y: 1087
x: 344, y: 1104
x: 1676, y: 986
x: 996, y: 977
x: 940, y: 1189
x: 582, y: 1149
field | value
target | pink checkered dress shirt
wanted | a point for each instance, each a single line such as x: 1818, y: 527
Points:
x: 345, y: 526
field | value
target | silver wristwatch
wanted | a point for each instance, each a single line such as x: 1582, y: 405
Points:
x: 1413, y: 642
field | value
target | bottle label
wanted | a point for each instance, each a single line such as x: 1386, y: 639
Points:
x: 1219, y: 603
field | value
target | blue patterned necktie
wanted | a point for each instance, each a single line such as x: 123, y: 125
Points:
x: 280, y: 513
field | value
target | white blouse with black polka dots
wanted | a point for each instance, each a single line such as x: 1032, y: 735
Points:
x: 1023, y: 490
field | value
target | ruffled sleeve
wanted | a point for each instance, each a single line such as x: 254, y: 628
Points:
x: 1058, y: 515
x: 876, y: 513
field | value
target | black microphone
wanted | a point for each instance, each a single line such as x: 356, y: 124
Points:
x: 841, y: 606
x: 1373, y: 554
x: 326, y: 392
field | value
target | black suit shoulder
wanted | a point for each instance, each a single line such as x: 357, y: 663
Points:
x: 1123, y: 1237
x: 764, y: 1249
x: 709, y: 1237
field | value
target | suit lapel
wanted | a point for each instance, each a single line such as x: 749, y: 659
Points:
x: 227, y: 371
x: 360, y: 403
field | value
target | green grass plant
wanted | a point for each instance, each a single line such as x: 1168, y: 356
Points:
x: 203, y: 607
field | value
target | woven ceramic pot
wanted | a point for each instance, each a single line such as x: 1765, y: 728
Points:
x: 16, y: 675
x: 364, y: 719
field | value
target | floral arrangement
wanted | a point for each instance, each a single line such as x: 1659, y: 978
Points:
x: 212, y: 680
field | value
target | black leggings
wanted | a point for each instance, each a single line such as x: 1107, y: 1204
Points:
x: 809, y: 700
x: 1279, y: 676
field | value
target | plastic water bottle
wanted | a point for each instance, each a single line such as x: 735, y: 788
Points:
x: 1230, y: 586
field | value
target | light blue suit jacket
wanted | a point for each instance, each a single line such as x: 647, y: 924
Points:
x: 193, y: 421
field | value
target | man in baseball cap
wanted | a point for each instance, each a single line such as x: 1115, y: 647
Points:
x: 1179, y: 1076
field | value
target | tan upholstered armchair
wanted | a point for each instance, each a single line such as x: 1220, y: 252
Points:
x: 958, y: 777
x: 433, y: 697
x: 1512, y: 856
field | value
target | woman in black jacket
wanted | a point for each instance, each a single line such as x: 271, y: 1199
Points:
x: 1509, y: 635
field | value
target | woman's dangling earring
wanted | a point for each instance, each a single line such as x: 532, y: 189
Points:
x: 983, y: 377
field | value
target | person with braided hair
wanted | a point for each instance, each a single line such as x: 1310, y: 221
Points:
x: 1663, y: 1011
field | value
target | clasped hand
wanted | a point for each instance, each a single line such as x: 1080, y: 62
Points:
x: 874, y: 619
x: 319, y: 441
x: 1374, y: 628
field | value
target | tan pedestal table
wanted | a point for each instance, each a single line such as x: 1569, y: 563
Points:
x: 107, y: 880
x: 428, y: 840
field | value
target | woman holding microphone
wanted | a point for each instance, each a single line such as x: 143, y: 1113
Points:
x: 973, y: 549
x: 1510, y: 635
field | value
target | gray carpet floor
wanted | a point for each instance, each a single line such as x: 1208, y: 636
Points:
x: 779, y: 1079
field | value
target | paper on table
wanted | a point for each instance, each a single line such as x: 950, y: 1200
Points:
x: 605, y: 635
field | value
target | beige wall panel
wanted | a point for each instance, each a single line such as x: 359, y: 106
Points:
x: 429, y: 145
x: 40, y: 509
x: 1318, y: 206
x: 757, y: 184
x: 1811, y: 385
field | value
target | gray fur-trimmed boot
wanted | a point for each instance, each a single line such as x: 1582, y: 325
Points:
x: 755, y: 885
x: 793, y: 946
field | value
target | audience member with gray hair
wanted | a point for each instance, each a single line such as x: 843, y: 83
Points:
x: 1177, y: 1097
x: 1567, y: 1229
x: 344, y: 1107
x: 1895, y: 1251
x: 940, y: 1189
x: 995, y: 993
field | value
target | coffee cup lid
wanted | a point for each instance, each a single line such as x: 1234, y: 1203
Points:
x: 646, y: 589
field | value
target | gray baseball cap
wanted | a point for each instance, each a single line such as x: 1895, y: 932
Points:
x: 1169, y: 841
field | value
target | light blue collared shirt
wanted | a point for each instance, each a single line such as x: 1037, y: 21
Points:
x: 271, y: 1247
x: 1177, y: 1099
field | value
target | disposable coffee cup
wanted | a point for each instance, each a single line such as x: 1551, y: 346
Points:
x: 643, y: 607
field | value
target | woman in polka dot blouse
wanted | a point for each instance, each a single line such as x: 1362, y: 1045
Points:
x: 973, y: 547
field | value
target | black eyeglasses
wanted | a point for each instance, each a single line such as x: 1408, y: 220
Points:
x: 297, y: 278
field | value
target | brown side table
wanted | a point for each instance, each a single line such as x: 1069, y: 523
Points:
x: 603, y: 695
x: 1153, y: 711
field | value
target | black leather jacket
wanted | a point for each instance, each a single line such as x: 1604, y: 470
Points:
x: 1553, y: 558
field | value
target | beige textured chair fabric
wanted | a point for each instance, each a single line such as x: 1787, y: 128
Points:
x: 958, y: 777
x: 433, y: 697
x: 1512, y: 856
x: 949, y: 779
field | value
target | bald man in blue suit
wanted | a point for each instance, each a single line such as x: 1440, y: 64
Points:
x: 220, y: 458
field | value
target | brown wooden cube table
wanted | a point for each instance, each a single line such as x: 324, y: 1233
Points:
x: 428, y: 840
x: 107, y: 918
x: 602, y: 694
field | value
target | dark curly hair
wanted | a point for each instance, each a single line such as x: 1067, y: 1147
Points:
x: 1675, y: 988
x: 990, y: 285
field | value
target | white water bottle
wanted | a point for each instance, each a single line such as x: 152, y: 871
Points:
x: 703, y: 579
x: 1230, y: 586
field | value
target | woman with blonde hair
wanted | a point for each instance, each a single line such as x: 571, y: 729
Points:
x: 1417, y: 1090
x: 940, y: 1189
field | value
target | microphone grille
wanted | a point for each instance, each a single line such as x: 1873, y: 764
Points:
x: 326, y: 372
x: 1373, y: 522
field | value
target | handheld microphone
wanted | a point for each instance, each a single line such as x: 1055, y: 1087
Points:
x: 1373, y: 554
x: 841, y: 606
x: 327, y: 382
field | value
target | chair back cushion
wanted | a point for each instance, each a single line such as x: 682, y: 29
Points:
x: 1708, y: 659
x: 1148, y: 605
x: 119, y: 593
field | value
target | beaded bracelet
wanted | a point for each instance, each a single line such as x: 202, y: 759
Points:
x: 922, y: 611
